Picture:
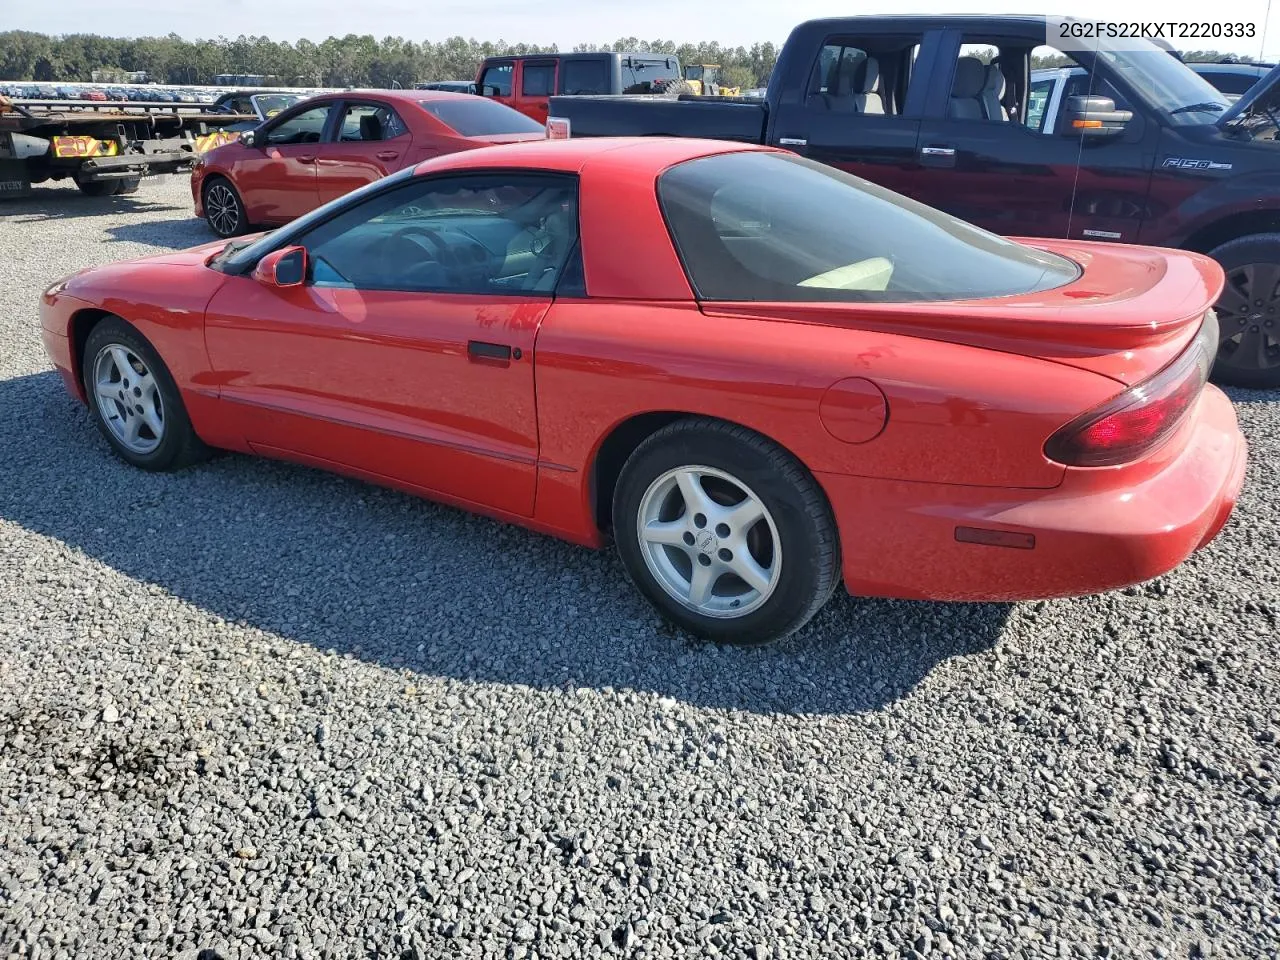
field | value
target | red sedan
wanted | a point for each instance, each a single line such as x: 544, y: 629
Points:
x: 329, y: 145
x: 762, y: 375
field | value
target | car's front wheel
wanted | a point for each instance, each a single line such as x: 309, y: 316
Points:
x: 1249, y: 313
x: 223, y: 208
x: 726, y: 533
x: 134, y: 400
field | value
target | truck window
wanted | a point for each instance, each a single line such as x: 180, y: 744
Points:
x: 757, y: 226
x: 496, y: 80
x: 639, y: 75
x: 854, y: 75
x: 584, y: 77
x: 1038, y: 103
x: 538, y: 79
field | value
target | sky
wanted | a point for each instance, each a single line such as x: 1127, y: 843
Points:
x: 564, y: 22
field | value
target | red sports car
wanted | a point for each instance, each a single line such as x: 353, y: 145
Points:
x: 761, y: 374
x: 329, y: 145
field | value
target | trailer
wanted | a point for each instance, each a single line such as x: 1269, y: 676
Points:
x: 107, y: 148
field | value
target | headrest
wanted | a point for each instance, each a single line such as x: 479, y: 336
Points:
x: 868, y: 75
x: 370, y: 127
x: 995, y: 81
x: 971, y: 74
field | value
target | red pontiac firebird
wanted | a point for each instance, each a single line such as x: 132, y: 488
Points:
x: 762, y: 375
x: 329, y: 145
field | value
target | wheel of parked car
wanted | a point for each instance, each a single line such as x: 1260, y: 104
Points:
x: 1249, y: 312
x: 223, y: 208
x: 98, y: 188
x: 726, y: 533
x: 134, y: 400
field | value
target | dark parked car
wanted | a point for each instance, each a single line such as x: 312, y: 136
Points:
x: 450, y: 86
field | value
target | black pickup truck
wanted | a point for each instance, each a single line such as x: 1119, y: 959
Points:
x: 1132, y: 147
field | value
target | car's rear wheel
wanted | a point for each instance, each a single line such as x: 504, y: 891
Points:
x: 1249, y: 313
x: 223, y: 208
x: 725, y: 533
x: 134, y: 400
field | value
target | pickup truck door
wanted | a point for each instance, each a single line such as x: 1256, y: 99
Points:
x: 1023, y: 176
x: 858, y: 112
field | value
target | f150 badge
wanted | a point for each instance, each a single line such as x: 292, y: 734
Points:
x: 1187, y: 163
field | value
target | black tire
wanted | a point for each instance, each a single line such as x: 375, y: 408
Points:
x: 130, y: 185
x: 809, y: 571
x: 98, y: 188
x: 179, y: 446
x: 1249, y: 318
x: 225, y: 198
x: 673, y: 88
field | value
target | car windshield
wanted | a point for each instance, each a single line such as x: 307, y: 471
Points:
x: 478, y: 117
x: 756, y: 226
x: 1168, y: 83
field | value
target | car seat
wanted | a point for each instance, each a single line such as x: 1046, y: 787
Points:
x: 966, y: 89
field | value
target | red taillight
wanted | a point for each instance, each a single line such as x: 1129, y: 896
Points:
x: 1143, y: 417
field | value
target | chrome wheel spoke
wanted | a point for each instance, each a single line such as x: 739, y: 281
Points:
x: 695, y: 498
x: 742, y: 517
x: 750, y: 572
x: 669, y: 533
x: 702, y: 583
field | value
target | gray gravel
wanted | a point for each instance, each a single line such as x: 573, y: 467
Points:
x: 253, y: 710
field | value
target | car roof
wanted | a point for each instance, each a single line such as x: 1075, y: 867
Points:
x: 1256, y: 68
x: 653, y: 154
x: 583, y: 55
x: 398, y: 96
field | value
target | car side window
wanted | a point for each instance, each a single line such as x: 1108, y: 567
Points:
x: 496, y: 80
x: 538, y: 79
x: 304, y: 127
x: 366, y: 122
x: 506, y: 234
x: 584, y: 77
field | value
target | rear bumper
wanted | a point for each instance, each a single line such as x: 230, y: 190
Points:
x: 1099, y: 530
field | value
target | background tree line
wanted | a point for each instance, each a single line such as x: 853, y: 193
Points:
x: 350, y: 61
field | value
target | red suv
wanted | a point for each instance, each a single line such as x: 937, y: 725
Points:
x: 528, y: 82
x: 326, y: 146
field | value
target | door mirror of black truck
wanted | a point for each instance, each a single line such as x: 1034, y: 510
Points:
x: 1094, y: 117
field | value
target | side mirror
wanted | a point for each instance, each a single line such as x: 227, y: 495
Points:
x: 1093, y: 117
x: 282, y: 268
x: 249, y: 138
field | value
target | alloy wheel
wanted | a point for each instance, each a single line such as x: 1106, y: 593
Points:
x: 709, y: 541
x: 222, y: 209
x: 128, y: 399
x: 1249, y: 317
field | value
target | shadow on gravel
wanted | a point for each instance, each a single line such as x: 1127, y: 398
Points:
x: 406, y: 584
x: 169, y: 234
x: 67, y: 203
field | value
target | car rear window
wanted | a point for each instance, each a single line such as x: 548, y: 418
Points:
x: 477, y: 117
x: 777, y: 227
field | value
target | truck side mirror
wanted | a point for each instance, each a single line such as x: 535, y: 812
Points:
x: 1093, y: 117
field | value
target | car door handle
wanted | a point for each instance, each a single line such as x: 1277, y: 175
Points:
x: 479, y: 351
x: 388, y: 155
x: 937, y: 155
x: 306, y: 159
x: 792, y: 142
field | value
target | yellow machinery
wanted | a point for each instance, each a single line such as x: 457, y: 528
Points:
x: 704, y: 78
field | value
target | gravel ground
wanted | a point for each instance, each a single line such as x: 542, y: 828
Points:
x: 255, y: 710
